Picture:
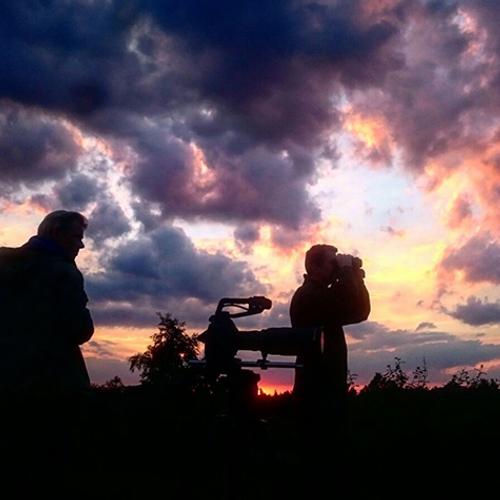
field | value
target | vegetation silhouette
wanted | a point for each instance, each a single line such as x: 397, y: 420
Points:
x: 400, y: 429
x: 173, y: 435
x: 166, y: 362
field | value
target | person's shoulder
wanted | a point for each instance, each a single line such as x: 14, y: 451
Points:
x: 311, y: 287
x: 309, y: 292
x: 52, y: 264
x: 9, y: 253
x: 13, y: 258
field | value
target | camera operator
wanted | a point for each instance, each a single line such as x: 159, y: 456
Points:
x: 333, y: 295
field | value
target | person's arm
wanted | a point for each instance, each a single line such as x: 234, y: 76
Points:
x: 351, y: 296
x: 74, y: 318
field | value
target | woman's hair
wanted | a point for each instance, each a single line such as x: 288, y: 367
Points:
x: 60, y: 221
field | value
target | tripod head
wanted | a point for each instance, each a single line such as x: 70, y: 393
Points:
x: 254, y: 305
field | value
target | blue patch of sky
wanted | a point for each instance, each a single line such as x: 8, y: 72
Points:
x: 368, y: 198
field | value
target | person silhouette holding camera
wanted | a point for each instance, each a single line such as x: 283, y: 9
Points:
x: 332, y: 295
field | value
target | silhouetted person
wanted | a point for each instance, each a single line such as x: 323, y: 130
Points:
x: 44, y: 316
x: 333, y: 295
x: 43, y: 321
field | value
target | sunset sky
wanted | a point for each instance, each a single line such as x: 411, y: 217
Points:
x: 211, y: 143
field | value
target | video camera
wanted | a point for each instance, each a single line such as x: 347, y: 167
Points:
x: 223, y: 340
x: 347, y: 260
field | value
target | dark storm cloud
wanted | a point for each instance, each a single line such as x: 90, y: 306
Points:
x: 273, y: 64
x: 252, y: 82
x: 477, y: 312
x: 246, y: 235
x: 33, y: 148
x: 107, y: 220
x: 478, y: 259
x: 246, y: 82
x: 145, y: 275
x: 58, y: 55
x: 85, y: 194
x: 445, y: 97
x: 77, y: 192
x: 254, y: 186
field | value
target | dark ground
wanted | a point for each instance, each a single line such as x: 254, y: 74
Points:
x: 139, y: 442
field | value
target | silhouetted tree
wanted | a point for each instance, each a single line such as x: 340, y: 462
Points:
x: 165, y: 362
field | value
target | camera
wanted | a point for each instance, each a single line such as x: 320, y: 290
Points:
x: 347, y: 260
x: 223, y: 339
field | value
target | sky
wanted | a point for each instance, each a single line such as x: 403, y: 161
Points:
x: 211, y: 143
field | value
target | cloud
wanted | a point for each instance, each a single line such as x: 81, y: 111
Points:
x: 375, y: 346
x: 77, y: 192
x: 444, y: 96
x: 462, y: 210
x: 256, y: 89
x: 375, y: 336
x: 160, y: 269
x: 255, y: 186
x: 101, y: 348
x: 253, y: 87
x: 272, y: 65
x: 394, y: 232
x: 477, y: 312
x: 246, y: 235
x: 107, y: 220
x: 50, y: 51
x: 33, y: 149
x: 425, y: 325
x: 81, y: 192
x: 478, y: 259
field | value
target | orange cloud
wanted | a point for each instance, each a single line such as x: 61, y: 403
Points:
x: 203, y: 178
x: 465, y: 186
x: 368, y: 130
x: 377, y: 9
x: 372, y: 137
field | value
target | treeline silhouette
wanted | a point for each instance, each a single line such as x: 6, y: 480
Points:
x: 178, y: 436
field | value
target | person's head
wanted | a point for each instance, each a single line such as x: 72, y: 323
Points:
x: 66, y: 229
x: 320, y: 263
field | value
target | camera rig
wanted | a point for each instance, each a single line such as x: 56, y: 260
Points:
x: 223, y: 340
